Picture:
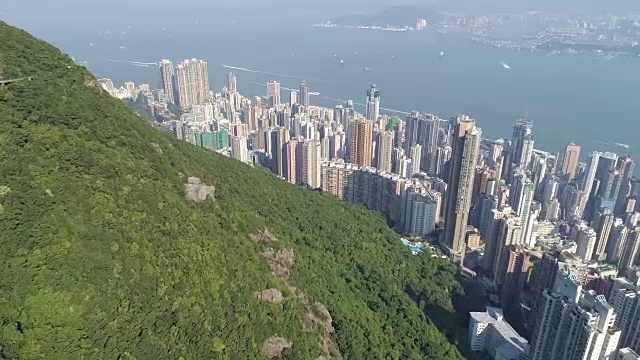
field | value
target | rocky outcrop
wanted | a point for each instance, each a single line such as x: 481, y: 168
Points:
x: 196, y: 191
x: 280, y: 262
x: 317, y: 315
x: 274, y: 346
x: 156, y: 147
x: 273, y: 296
x: 263, y: 236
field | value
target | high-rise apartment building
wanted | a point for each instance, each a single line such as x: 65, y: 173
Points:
x: 602, y: 224
x: 509, y: 233
x: 273, y: 93
x: 310, y: 169
x: 167, y: 80
x: 373, y: 104
x: 192, y: 80
x: 231, y: 82
x: 385, y: 147
x: 574, y: 324
x: 522, y: 143
x: 521, y: 198
x: 422, y: 129
x: 466, y: 144
x: 421, y: 209
x: 625, y: 299
x: 290, y: 161
x: 570, y: 161
x: 490, y: 333
x: 415, y: 154
x: 239, y: 148
x: 360, y: 142
x: 304, y: 94
x: 278, y: 137
x: 514, y: 276
x: 622, y: 183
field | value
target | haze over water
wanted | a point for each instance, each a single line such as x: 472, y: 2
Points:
x: 570, y: 97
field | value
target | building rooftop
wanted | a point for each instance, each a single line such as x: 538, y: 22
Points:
x: 494, y: 315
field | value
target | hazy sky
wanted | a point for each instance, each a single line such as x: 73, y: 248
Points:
x: 60, y: 20
x: 42, y: 16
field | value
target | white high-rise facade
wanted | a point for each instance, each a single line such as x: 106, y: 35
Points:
x: 575, y: 325
x: 466, y: 146
x: 373, y: 104
x: 166, y: 79
x: 192, y: 80
x: 421, y: 211
x: 239, y: 148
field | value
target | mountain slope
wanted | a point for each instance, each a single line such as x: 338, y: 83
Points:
x: 104, y: 257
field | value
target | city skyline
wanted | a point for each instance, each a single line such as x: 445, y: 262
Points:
x: 440, y: 180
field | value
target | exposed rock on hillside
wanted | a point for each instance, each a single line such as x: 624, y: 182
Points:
x: 271, y: 295
x: 263, y: 236
x: 274, y: 346
x: 197, y: 191
x: 280, y: 262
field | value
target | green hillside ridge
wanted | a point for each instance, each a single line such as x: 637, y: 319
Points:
x: 103, y: 256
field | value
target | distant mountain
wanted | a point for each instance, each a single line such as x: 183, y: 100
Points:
x: 119, y: 242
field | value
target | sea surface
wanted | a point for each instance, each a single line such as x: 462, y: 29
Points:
x: 580, y: 98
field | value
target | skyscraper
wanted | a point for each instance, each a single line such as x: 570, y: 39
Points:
x: 510, y: 233
x: 279, y: 137
x: 166, y: 78
x: 304, y: 94
x: 192, y: 80
x: 273, y: 93
x: 520, y: 198
x: 239, y: 148
x: 360, y: 142
x: 415, y: 154
x: 385, y: 145
x: 522, y: 142
x: 570, y: 161
x: 625, y: 299
x: 293, y: 97
x: 466, y: 145
x: 622, y: 184
x: 290, y: 161
x: 574, y: 324
x: 231, y: 82
x: 422, y: 129
x: 373, y: 104
x: 514, y: 276
x: 310, y: 171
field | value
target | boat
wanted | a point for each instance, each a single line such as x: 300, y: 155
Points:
x: 341, y: 61
x: 624, y: 146
x: 441, y: 54
x: 505, y: 65
x: 366, y: 69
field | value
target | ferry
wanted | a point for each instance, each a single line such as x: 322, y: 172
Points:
x: 624, y: 146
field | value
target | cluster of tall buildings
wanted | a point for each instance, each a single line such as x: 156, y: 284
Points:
x: 549, y: 231
x: 187, y: 84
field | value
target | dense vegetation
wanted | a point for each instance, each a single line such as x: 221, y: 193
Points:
x: 103, y: 257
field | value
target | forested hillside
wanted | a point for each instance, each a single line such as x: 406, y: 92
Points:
x: 104, y: 256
